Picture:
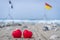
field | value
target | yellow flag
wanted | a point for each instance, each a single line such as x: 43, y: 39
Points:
x: 47, y: 6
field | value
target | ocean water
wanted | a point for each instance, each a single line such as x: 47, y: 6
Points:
x: 35, y: 21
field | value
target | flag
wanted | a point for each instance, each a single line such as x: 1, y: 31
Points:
x: 11, y: 6
x: 9, y: 2
x: 48, y: 6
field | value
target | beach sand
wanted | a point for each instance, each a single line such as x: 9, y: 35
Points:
x: 38, y: 33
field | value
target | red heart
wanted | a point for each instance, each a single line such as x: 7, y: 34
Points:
x: 17, y: 33
x: 27, y: 34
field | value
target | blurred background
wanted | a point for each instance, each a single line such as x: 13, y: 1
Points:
x: 29, y: 10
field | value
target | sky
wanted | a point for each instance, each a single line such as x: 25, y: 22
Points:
x: 29, y: 10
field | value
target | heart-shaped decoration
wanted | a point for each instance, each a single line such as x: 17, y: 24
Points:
x: 27, y: 34
x: 17, y: 33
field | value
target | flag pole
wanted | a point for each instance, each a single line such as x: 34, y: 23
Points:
x: 48, y: 7
x: 10, y: 9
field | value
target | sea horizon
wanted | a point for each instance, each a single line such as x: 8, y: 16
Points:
x: 36, y: 21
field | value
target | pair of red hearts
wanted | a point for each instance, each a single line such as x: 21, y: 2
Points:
x: 18, y: 34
